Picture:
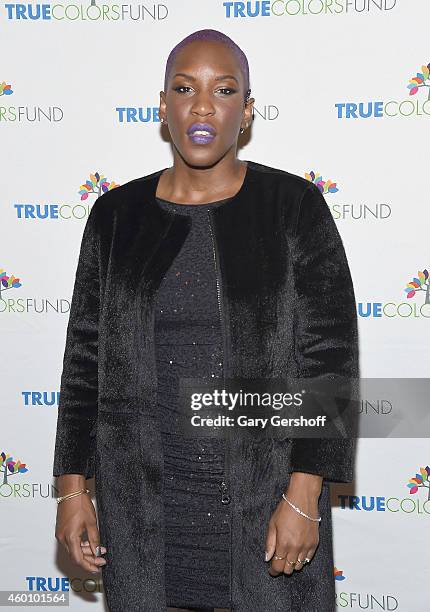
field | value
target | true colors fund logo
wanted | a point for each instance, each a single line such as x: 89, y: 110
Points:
x: 9, y: 467
x: 420, y: 481
x: 305, y: 8
x: 14, y: 485
x: 5, y: 89
x: 18, y: 305
x: 419, y: 89
x: 40, y: 398
x: 97, y: 184
x: 363, y: 600
x: 94, y: 186
x: 324, y: 187
x: 419, y: 504
x: 91, y: 11
x: 419, y: 284
x: 7, y: 282
x: 353, y: 211
x: 26, y: 113
x: 63, y: 584
x: 149, y: 114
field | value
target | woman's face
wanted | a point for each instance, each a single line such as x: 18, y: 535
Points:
x: 204, y: 103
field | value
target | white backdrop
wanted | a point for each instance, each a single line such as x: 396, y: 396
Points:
x: 67, y: 78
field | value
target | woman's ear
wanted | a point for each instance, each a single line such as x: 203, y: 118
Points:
x: 162, y: 108
x: 249, y: 110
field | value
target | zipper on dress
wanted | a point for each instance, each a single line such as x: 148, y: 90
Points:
x: 223, y: 487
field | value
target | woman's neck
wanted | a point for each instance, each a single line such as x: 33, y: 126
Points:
x: 183, y: 183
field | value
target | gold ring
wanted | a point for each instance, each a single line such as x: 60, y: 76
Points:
x: 279, y: 558
x: 292, y: 562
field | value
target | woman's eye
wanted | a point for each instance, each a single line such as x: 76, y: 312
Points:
x: 224, y: 90
x: 229, y: 90
x: 181, y: 87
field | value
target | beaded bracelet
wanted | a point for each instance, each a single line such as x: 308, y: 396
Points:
x: 69, y: 495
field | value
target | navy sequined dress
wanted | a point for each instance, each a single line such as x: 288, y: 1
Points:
x: 188, y: 343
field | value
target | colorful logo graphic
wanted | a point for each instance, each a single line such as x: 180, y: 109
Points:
x: 9, y: 467
x: 376, y: 109
x: 324, y: 186
x: 419, y: 283
x: 421, y: 481
x: 8, y: 282
x: 420, y: 81
x: 98, y: 184
x: 84, y: 12
x: 338, y: 574
x: 5, y: 90
x: 24, y: 113
x: 26, y: 304
x: 21, y: 489
x: 401, y: 309
x: 353, y: 600
x: 393, y: 504
x: 309, y: 8
x: 348, y: 210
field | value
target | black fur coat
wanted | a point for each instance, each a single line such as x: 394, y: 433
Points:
x: 289, y: 307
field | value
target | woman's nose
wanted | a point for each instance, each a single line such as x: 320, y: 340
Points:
x: 203, y: 104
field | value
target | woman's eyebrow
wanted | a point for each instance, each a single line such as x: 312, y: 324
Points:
x: 226, y: 76
x: 187, y: 76
x: 218, y: 78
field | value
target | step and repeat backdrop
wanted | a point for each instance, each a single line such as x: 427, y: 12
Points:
x: 342, y: 94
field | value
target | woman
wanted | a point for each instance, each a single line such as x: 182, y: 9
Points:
x: 213, y: 267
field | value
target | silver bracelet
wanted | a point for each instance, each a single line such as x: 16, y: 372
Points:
x: 299, y: 511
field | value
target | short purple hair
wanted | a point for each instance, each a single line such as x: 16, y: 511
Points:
x: 211, y: 35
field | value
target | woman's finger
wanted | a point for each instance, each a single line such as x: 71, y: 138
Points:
x: 87, y: 551
x: 310, y: 554
x: 300, y: 561
x: 88, y: 555
x: 290, y: 563
x: 87, y: 547
x: 75, y: 551
x: 278, y: 564
x: 93, y: 536
x: 270, y: 540
x: 77, y: 556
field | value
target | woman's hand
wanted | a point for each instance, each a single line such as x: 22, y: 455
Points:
x: 290, y: 534
x: 75, y: 516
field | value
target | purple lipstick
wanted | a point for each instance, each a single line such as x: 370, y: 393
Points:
x: 201, y: 133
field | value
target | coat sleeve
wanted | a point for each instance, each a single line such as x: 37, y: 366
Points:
x: 78, y: 402
x: 325, y: 329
